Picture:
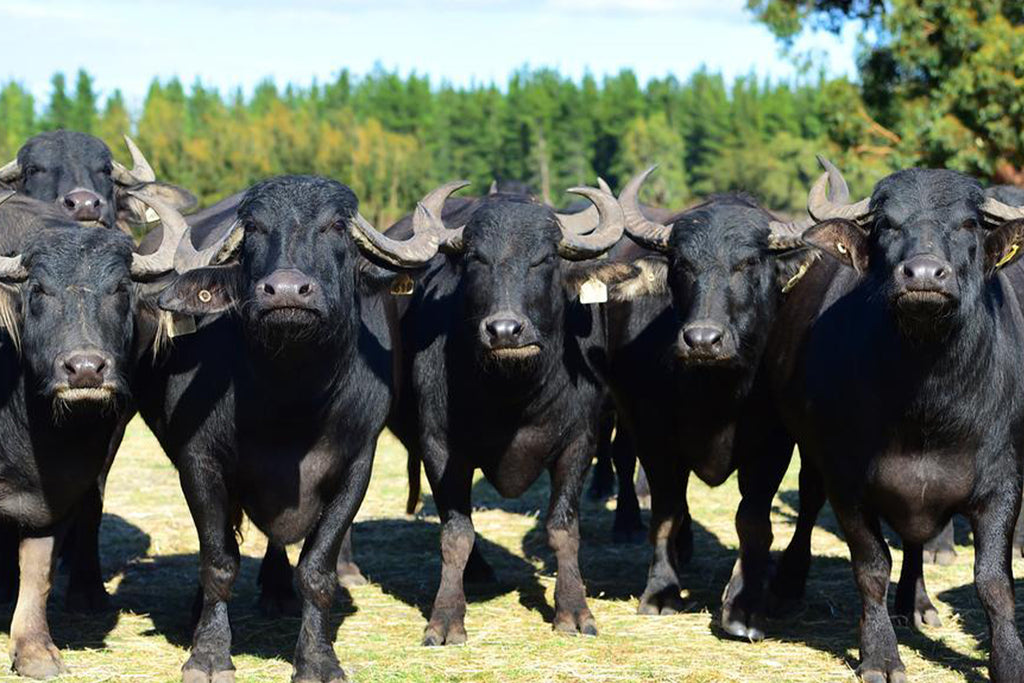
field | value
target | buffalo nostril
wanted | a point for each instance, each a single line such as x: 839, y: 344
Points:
x: 69, y: 202
x: 504, y: 329
x: 268, y: 288
x: 85, y: 370
x: 702, y: 336
x: 304, y: 289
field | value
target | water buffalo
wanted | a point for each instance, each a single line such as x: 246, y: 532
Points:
x: 687, y: 336
x: 75, y: 176
x: 77, y: 172
x: 897, y: 370
x: 498, y: 374
x: 67, y: 310
x: 273, y: 407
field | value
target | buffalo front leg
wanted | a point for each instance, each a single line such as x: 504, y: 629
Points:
x: 86, y: 592
x: 571, y: 612
x: 912, y: 601
x: 872, y: 566
x: 208, y: 500
x: 790, y: 579
x: 32, y: 650
x: 629, y: 526
x: 315, y: 661
x: 451, y: 482
x: 992, y: 522
x: 668, y: 513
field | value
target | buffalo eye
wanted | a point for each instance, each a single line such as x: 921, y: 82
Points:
x: 37, y: 289
x: 543, y: 261
x: 250, y: 225
x: 969, y: 224
x: 122, y: 287
x: 32, y: 169
x: 746, y: 263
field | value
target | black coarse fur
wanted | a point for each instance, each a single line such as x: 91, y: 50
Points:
x: 274, y: 407
x: 78, y: 296
x: 510, y: 408
x: 700, y: 409
x: 910, y: 407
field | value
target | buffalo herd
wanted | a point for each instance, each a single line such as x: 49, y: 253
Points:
x: 269, y: 339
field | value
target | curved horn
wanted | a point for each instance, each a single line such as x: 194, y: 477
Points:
x: 10, y: 266
x: 141, y: 172
x: 644, y: 232
x: 582, y: 222
x: 788, y: 235
x: 1004, y: 212
x: 187, y: 257
x: 829, y: 197
x: 10, y: 171
x: 428, y: 232
x: 611, y: 224
x: 174, y: 227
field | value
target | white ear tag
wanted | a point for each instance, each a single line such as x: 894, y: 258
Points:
x: 151, y: 215
x: 593, y: 291
x: 181, y: 325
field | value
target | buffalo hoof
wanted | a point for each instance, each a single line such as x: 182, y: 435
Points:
x: 663, y: 603
x: 918, y: 617
x: 445, y: 629
x: 37, y: 658
x: 943, y: 557
x: 350, y: 576
x: 90, y: 599
x: 319, y: 669
x: 894, y: 674
x: 579, y: 622
x: 206, y: 668
x: 739, y: 623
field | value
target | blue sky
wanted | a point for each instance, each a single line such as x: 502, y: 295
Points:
x: 229, y: 43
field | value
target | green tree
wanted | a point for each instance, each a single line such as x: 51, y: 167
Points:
x: 59, y: 112
x: 651, y: 140
x: 83, y: 108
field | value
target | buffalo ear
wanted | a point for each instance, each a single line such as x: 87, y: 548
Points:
x: 841, y: 239
x: 792, y: 265
x: 624, y: 281
x: 374, y: 279
x: 1003, y: 244
x: 203, y: 291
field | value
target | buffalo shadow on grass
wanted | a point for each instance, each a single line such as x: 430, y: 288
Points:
x: 122, y: 543
x: 165, y: 588
x: 403, y: 557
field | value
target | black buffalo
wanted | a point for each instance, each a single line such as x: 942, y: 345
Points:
x: 897, y: 370
x: 273, y: 406
x: 498, y: 375
x: 73, y: 175
x: 78, y: 173
x: 68, y: 310
x: 687, y: 336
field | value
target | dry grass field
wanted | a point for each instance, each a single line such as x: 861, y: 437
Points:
x: 150, y: 563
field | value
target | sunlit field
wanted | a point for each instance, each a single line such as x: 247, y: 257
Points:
x: 149, y: 550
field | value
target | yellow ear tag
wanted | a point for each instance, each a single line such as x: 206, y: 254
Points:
x: 791, y: 282
x: 402, y: 285
x: 151, y: 215
x: 1014, y: 248
x: 593, y: 291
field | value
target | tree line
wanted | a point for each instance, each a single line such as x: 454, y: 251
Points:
x: 940, y: 85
